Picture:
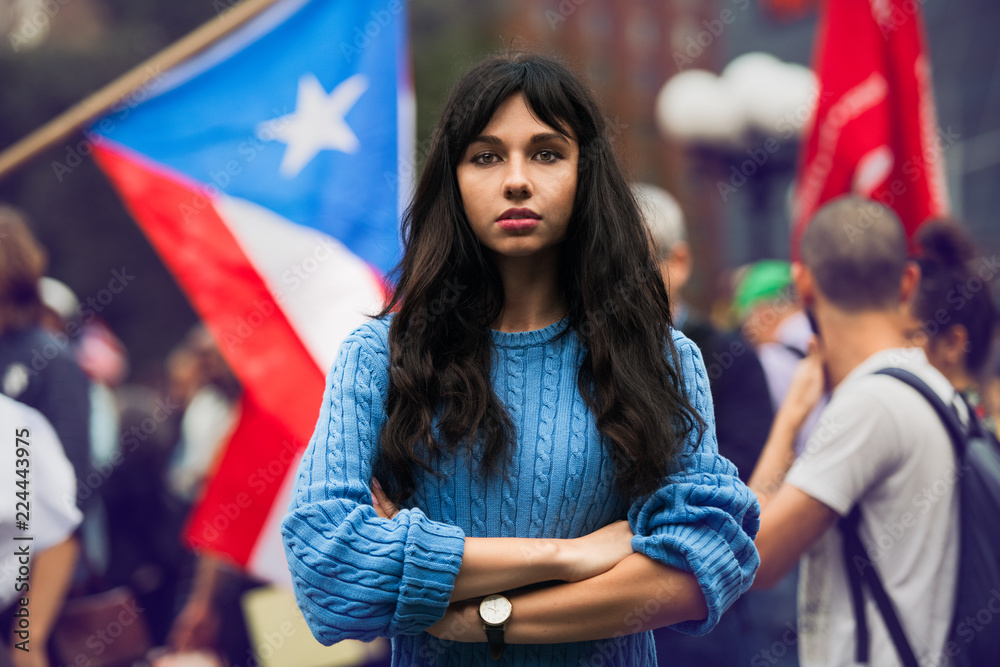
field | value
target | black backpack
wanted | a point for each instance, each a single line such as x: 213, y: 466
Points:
x: 974, y: 637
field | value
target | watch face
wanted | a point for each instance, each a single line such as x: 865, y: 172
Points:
x: 495, y: 610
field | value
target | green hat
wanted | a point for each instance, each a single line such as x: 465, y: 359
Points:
x: 763, y: 281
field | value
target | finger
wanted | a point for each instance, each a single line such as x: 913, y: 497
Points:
x: 383, y: 506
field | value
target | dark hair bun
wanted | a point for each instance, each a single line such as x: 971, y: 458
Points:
x: 946, y: 243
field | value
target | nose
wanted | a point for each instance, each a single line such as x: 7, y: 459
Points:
x: 516, y: 184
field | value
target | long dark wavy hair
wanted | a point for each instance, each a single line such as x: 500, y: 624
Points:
x: 448, y: 292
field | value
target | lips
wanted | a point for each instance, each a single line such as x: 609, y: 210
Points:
x: 518, y: 219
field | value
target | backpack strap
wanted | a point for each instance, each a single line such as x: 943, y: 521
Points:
x: 861, y: 571
x: 945, y: 412
x: 853, y: 551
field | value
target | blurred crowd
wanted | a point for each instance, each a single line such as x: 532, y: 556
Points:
x: 140, y: 454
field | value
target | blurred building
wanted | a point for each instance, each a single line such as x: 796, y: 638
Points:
x: 627, y: 50
x: 965, y: 59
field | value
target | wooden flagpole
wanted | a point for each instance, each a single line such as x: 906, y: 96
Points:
x: 97, y: 103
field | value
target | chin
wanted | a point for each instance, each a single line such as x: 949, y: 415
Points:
x: 519, y: 250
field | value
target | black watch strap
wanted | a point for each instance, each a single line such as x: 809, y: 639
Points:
x: 494, y: 635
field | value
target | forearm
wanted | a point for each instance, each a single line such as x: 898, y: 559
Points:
x: 494, y: 564
x: 636, y: 595
x: 775, y: 459
x: 51, y: 574
x: 212, y: 576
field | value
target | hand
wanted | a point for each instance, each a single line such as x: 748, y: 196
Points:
x: 34, y: 658
x: 461, y: 623
x: 196, y: 627
x: 598, y: 552
x: 384, y: 507
x: 806, y: 389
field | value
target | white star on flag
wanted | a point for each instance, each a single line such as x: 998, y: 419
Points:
x: 317, y: 123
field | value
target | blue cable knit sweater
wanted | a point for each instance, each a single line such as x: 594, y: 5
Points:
x: 359, y: 576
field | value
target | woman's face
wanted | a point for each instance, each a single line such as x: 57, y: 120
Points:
x: 518, y: 181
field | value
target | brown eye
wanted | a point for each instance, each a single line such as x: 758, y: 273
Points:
x: 485, y: 158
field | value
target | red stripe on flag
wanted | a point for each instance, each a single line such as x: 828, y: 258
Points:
x: 234, y: 507
x: 278, y: 375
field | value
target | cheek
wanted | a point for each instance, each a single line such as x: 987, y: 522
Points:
x: 467, y: 188
x: 566, y: 187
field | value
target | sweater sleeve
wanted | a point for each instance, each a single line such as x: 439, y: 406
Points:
x: 703, y: 519
x: 356, y: 575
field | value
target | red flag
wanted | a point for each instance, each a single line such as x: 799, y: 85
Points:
x: 874, y: 132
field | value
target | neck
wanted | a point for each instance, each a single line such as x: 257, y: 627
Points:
x: 532, y: 297
x: 850, y: 338
x: 959, y: 378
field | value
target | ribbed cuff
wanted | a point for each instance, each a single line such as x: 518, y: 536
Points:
x: 433, y: 556
x: 722, y: 574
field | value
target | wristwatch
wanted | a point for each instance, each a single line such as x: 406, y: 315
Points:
x: 495, y: 611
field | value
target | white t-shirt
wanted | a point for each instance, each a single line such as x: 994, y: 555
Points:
x: 52, y: 514
x: 881, y: 444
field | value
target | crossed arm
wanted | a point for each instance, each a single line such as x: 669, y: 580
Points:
x: 359, y: 574
x: 608, y: 589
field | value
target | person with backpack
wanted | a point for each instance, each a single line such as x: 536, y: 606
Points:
x: 878, y: 458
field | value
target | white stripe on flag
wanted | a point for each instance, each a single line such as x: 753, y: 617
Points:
x: 322, y: 287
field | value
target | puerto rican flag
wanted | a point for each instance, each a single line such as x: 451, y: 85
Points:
x: 269, y: 172
x: 875, y: 130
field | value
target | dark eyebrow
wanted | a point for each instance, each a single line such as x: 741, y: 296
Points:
x: 548, y: 136
x: 494, y: 140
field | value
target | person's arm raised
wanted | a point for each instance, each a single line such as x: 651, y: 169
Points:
x: 494, y: 564
x: 791, y: 520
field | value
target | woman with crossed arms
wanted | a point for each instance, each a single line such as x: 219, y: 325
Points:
x: 516, y: 459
